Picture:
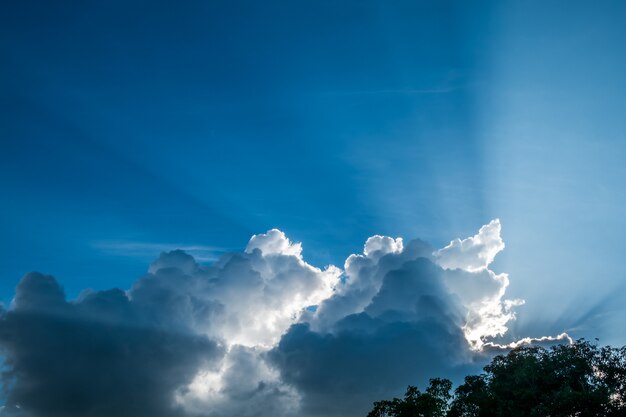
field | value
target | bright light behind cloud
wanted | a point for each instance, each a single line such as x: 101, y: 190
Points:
x: 265, y: 330
x: 260, y: 323
x: 289, y: 285
x: 480, y: 289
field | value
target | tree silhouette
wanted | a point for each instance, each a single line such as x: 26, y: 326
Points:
x: 580, y: 379
x: 434, y: 402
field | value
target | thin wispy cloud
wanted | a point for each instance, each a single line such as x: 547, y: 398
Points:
x: 151, y: 250
x: 392, y: 91
x: 143, y: 143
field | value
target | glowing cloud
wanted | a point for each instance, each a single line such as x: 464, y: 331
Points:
x: 474, y: 253
x: 241, y: 336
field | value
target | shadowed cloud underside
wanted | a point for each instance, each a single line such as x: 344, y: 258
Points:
x: 259, y: 332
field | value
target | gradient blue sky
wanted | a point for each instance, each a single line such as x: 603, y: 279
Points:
x: 128, y: 128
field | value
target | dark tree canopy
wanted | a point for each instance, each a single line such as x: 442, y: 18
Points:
x: 433, y: 402
x: 580, y: 379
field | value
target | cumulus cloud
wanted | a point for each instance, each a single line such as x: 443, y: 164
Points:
x: 409, y: 330
x: 274, y: 242
x: 257, y: 333
x: 94, y: 357
x: 402, y: 314
x: 244, y: 384
x: 382, y: 245
x: 474, y: 253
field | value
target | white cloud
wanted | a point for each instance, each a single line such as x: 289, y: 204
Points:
x: 397, y: 311
x: 381, y: 245
x: 543, y: 341
x: 474, y: 253
x: 243, y: 385
x: 274, y: 242
x: 260, y: 294
x: 480, y: 290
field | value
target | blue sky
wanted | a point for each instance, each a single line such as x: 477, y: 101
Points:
x: 132, y: 128
x: 205, y: 123
x: 146, y: 125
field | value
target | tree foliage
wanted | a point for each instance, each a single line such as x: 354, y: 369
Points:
x: 433, y: 402
x: 580, y: 379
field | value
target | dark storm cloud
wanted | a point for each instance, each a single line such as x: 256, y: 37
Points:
x: 405, y: 313
x: 238, y: 337
x: 95, y: 357
x: 181, y: 332
x: 410, y: 331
